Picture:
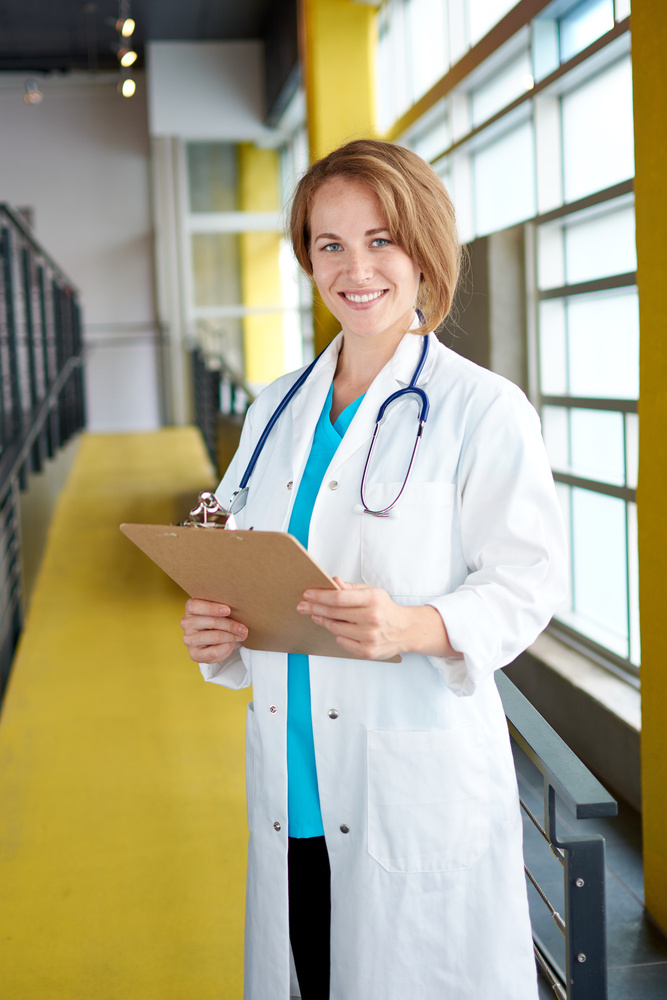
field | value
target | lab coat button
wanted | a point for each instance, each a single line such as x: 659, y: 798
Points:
x: 273, y: 709
x: 333, y: 485
x: 333, y: 713
x: 276, y: 825
x: 290, y: 484
x: 344, y: 828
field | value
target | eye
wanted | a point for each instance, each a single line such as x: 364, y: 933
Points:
x: 331, y: 247
x: 380, y: 241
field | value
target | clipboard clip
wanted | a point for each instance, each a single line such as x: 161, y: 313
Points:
x: 209, y: 513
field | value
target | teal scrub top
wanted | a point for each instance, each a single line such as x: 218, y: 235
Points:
x: 303, y: 800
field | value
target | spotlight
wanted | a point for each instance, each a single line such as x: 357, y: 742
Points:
x: 33, y: 94
x: 125, y: 26
x: 127, y: 57
x: 127, y: 87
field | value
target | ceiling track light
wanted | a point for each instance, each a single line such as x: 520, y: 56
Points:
x: 126, y: 54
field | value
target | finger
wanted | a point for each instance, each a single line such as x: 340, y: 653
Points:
x: 198, y: 606
x: 356, y: 598
x: 213, y: 654
x: 213, y: 634
x: 201, y: 623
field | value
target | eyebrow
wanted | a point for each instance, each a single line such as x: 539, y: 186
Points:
x: 334, y: 236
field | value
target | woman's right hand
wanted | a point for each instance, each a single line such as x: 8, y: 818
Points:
x: 208, y: 631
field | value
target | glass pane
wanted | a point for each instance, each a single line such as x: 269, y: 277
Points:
x: 505, y: 181
x: 587, y: 22
x: 506, y: 85
x: 603, y: 345
x: 622, y: 9
x: 428, y: 49
x: 434, y: 137
x: 600, y: 568
x: 556, y: 436
x: 215, y: 269
x: 212, y: 178
x: 550, y: 257
x: 221, y: 339
x: 544, y: 46
x: 563, y: 493
x: 553, y: 348
x: 633, y: 585
x: 631, y: 449
x: 597, y: 445
x: 598, y: 132
x: 601, y: 246
x: 483, y: 14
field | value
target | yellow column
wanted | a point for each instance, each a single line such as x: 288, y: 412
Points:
x: 338, y: 40
x: 259, y: 191
x: 649, y: 43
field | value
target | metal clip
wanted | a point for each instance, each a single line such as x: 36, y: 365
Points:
x: 210, y: 514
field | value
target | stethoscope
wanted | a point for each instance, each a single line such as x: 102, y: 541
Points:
x: 240, y: 497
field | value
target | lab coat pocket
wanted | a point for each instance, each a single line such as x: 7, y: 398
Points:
x: 408, y: 552
x: 250, y: 762
x: 428, y: 799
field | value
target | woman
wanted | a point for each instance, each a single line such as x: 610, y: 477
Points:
x: 392, y: 783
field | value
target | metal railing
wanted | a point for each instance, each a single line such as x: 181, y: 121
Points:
x: 41, y: 392
x: 565, y: 778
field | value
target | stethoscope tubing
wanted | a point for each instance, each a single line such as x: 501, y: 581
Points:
x: 238, y: 499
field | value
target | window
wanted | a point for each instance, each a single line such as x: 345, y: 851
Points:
x: 540, y: 134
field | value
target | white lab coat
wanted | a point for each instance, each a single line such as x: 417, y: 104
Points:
x: 417, y: 785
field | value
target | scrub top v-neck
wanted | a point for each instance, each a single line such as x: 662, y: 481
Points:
x: 303, y: 801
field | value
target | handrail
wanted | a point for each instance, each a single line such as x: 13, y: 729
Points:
x: 582, y: 858
x: 41, y: 392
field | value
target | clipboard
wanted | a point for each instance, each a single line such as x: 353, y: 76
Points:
x: 261, y: 575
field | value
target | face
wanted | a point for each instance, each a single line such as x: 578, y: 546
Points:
x: 368, y: 282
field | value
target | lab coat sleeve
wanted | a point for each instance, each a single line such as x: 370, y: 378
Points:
x: 513, y: 545
x: 232, y: 672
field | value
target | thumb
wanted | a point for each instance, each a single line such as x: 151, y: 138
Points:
x: 344, y: 585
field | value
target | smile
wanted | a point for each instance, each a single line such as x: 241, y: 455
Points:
x: 366, y: 297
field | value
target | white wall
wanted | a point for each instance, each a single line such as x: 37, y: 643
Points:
x: 206, y: 90
x: 80, y: 161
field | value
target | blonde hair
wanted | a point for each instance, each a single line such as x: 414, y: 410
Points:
x: 415, y: 205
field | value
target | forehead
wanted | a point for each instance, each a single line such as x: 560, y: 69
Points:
x: 346, y: 200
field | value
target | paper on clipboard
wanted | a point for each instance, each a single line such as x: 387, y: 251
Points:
x: 261, y: 575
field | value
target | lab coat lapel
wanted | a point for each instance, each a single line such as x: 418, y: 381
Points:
x: 307, y: 405
x: 395, y: 375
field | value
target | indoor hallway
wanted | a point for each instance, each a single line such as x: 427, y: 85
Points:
x: 123, y: 830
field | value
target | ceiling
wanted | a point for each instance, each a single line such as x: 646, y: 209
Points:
x: 61, y: 35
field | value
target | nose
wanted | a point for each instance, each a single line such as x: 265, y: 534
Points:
x: 359, y: 265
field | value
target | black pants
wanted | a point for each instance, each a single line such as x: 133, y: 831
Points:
x: 310, y: 914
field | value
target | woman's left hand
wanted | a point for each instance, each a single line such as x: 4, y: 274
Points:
x: 369, y: 624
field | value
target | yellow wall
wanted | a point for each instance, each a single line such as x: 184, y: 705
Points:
x: 259, y: 191
x: 649, y: 44
x: 338, y: 50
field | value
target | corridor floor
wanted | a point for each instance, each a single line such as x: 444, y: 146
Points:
x: 122, y: 800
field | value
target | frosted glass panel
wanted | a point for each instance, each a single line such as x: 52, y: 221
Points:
x: 600, y: 567
x: 212, y: 176
x: 550, y: 257
x: 632, y: 449
x: 505, y: 181
x: 483, y: 14
x: 553, y: 348
x: 563, y: 494
x: 428, y: 34
x: 603, y: 345
x: 556, y: 436
x: 215, y: 269
x: 597, y: 445
x: 584, y: 25
x: 512, y: 81
x: 633, y: 584
x: 601, y: 246
x: 222, y: 338
x: 598, y: 133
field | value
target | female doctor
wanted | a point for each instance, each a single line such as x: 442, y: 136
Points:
x: 385, y: 852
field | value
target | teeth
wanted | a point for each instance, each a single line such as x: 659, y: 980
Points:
x: 363, y: 298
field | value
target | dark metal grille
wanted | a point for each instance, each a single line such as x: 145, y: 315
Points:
x: 41, y: 392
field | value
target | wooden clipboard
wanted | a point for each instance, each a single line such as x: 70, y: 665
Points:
x: 261, y: 575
